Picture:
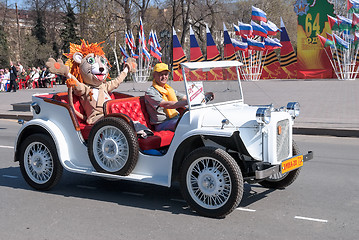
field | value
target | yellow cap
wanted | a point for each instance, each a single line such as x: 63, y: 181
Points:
x: 160, y: 67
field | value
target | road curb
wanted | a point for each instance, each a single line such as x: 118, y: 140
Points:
x: 16, y: 117
x: 326, y: 132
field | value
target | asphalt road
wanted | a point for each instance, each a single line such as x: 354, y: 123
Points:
x: 321, y: 204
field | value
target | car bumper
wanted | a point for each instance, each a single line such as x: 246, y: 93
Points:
x: 262, y: 174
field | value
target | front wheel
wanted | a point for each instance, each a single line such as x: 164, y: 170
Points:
x: 280, y: 180
x: 211, y: 182
x: 39, y: 162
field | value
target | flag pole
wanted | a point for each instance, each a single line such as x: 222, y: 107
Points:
x: 264, y: 61
x: 339, y: 63
x: 331, y: 62
x: 336, y: 63
x: 356, y: 72
x: 116, y: 59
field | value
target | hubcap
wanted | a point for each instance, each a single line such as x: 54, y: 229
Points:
x: 209, y: 183
x: 38, y: 162
x: 111, y: 149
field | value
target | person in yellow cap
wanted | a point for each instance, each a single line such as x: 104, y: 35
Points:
x: 162, y: 100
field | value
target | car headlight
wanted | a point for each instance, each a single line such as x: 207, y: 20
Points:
x: 293, y: 109
x: 263, y: 115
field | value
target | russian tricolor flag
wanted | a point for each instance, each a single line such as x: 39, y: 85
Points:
x: 135, y: 56
x: 239, y: 46
x: 178, y: 57
x: 142, y: 38
x: 123, y: 52
x: 288, y: 58
x: 212, y: 50
x: 156, y: 41
x: 146, y: 53
x: 245, y: 30
x: 255, y: 45
x: 236, y: 29
x: 229, y: 51
x: 153, y: 47
x: 195, y: 50
x: 258, y: 30
x: 258, y: 14
x: 128, y: 41
x: 196, y: 56
x: 132, y: 39
x: 270, y: 27
x: 213, y: 55
x: 271, y: 44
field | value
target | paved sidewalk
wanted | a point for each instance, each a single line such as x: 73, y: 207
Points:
x: 328, y: 107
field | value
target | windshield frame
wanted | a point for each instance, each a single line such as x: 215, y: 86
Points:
x: 207, y: 66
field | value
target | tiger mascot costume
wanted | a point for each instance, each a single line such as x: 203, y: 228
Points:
x: 86, y: 70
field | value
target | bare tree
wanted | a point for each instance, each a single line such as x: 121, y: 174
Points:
x: 127, y: 8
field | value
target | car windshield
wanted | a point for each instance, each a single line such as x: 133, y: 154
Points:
x: 221, y: 78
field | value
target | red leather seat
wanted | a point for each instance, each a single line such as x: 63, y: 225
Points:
x: 135, y: 109
x: 132, y: 107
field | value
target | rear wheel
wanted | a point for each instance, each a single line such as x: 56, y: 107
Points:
x: 280, y: 180
x: 113, y: 146
x: 39, y: 162
x: 211, y: 182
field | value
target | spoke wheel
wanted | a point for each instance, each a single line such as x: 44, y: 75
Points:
x: 113, y: 146
x: 211, y: 182
x: 280, y: 180
x: 39, y: 162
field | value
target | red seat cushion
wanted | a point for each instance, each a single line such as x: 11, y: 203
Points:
x: 158, y: 140
x: 135, y: 108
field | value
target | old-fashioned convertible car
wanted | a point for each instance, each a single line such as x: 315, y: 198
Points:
x: 216, y: 146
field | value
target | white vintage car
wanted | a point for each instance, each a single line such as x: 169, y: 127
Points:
x: 216, y: 146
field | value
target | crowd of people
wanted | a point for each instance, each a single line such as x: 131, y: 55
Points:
x: 17, y: 77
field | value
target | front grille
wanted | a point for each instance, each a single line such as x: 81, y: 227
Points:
x: 283, y: 140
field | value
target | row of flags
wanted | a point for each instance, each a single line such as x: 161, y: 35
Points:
x: 146, y: 49
x: 345, y: 27
x: 244, y: 48
x: 253, y: 43
x: 341, y: 45
x: 353, y: 6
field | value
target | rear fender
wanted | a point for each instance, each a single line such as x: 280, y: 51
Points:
x: 68, y: 143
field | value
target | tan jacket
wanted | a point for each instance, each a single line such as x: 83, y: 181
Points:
x: 93, y: 108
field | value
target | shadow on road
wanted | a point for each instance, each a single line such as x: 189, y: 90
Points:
x: 124, y: 193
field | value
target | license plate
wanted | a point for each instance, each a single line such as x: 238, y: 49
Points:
x: 292, y: 163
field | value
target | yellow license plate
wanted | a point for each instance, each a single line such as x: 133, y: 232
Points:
x: 292, y: 163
